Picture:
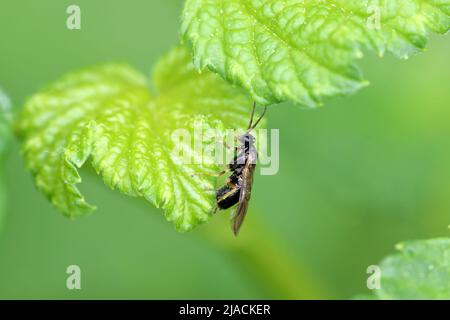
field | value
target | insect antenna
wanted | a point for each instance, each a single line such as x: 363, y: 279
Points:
x: 260, y: 118
x: 251, y: 118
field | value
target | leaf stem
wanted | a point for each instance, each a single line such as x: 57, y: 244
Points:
x: 264, y: 258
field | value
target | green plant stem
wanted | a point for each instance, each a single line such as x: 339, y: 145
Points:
x: 264, y: 257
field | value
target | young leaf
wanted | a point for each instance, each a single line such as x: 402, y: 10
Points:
x: 420, y: 271
x: 304, y: 50
x: 108, y: 115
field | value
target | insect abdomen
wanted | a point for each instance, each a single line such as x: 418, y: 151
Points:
x: 227, y: 197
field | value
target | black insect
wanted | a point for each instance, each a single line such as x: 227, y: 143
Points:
x: 238, y: 187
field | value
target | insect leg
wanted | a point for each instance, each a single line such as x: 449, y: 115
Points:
x: 223, y: 140
x: 210, y: 190
x: 211, y: 174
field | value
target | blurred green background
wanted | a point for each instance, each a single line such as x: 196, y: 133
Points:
x: 356, y: 177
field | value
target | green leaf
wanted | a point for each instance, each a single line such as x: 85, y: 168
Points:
x: 108, y: 115
x: 301, y: 50
x: 421, y: 270
x: 5, y: 135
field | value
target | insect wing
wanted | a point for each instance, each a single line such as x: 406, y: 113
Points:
x: 244, y: 198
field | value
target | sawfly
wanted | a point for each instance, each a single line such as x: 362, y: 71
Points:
x: 238, y: 187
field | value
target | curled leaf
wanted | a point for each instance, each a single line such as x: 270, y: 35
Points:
x: 107, y: 115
